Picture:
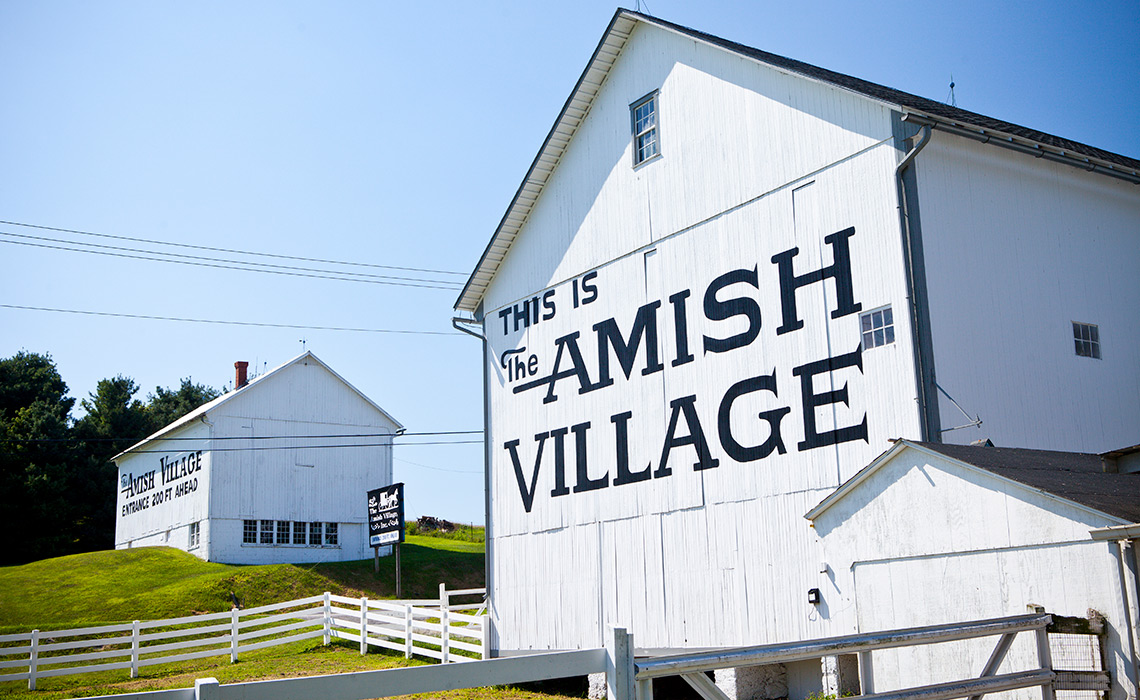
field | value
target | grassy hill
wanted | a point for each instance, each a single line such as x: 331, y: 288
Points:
x: 152, y: 583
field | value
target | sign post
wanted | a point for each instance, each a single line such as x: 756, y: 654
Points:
x: 386, y: 523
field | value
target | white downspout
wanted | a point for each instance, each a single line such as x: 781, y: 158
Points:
x: 1127, y: 538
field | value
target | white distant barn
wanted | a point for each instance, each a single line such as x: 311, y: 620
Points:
x: 726, y: 281
x: 258, y: 475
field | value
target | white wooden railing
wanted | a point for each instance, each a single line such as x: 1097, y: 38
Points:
x: 629, y: 677
x: 435, y: 628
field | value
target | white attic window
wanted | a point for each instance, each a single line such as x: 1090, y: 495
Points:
x: 643, y: 121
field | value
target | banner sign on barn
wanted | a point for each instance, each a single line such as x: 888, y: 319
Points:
x: 386, y: 515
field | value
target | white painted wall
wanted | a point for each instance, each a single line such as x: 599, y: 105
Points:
x: 1017, y: 249
x: 926, y: 541
x: 252, y: 479
x: 158, y: 512
x: 722, y: 555
x: 755, y: 163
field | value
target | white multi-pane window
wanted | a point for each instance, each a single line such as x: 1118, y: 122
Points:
x: 331, y: 539
x: 249, y: 532
x: 282, y: 532
x: 643, y: 116
x: 195, y: 535
x: 1086, y: 336
x: 314, y: 534
x: 877, y: 327
x: 299, y: 533
x: 266, y: 532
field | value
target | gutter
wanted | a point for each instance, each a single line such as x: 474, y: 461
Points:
x: 1127, y: 538
x: 923, y: 393
x: 1057, y: 155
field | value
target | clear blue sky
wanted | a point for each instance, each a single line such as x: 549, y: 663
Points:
x: 396, y: 134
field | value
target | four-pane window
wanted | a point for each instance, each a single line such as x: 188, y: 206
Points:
x: 877, y: 328
x: 1086, y: 337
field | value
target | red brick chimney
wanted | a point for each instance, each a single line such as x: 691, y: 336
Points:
x: 239, y: 374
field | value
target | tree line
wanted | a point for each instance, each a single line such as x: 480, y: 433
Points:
x: 57, y: 483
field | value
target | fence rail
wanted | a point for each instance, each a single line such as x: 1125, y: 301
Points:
x: 432, y: 628
x: 630, y: 679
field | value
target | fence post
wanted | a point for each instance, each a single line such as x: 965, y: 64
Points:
x: 363, y: 626
x: 206, y: 688
x: 135, y: 649
x: 444, y: 625
x: 485, y: 627
x: 33, y: 658
x: 407, y: 631
x: 866, y: 673
x: 619, y: 665
x: 328, y: 619
x: 1045, y: 660
x: 234, y: 614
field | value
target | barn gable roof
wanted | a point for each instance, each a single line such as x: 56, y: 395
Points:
x: 1075, y: 477
x: 937, y: 114
x: 211, y: 406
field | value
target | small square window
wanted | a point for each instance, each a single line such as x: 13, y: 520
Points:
x: 298, y: 533
x: 331, y: 539
x: 282, y: 532
x: 877, y: 327
x: 249, y: 532
x: 315, y: 534
x: 266, y: 532
x: 195, y: 535
x: 643, y: 120
x: 1086, y: 337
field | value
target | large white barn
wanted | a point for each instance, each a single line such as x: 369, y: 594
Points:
x: 726, y: 281
x: 260, y: 475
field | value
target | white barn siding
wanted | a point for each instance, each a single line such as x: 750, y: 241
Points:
x: 925, y: 541
x: 1056, y: 245
x: 736, y: 185
x: 250, y: 471
x: 162, y: 518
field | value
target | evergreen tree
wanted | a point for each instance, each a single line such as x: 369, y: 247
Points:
x: 37, y: 505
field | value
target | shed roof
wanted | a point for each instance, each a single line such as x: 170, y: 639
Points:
x: 1072, y: 476
x: 939, y: 115
x: 208, y: 407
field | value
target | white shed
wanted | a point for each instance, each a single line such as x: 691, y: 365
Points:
x: 932, y: 533
x: 726, y: 281
x: 274, y: 471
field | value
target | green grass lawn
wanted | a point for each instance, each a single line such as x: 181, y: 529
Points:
x: 153, y: 583
x: 307, y: 658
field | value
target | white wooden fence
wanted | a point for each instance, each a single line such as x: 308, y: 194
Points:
x: 629, y: 677
x: 435, y: 628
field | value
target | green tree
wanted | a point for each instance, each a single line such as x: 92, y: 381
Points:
x: 114, y: 421
x: 37, y: 506
x: 165, y: 406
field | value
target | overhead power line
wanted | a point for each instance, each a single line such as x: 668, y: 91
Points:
x: 436, y: 433
x: 316, y: 447
x: 230, y: 323
x: 231, y: 250
x: 334, y: 276
x: 350, y: 275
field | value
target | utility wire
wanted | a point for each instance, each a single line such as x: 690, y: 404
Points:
x: 438, y: 469
x: 229, y: 267
x: 256, y: 437
x: 231, y: 250
x: 456, y: 285
x: 313, y: 447
x: 229, y: 323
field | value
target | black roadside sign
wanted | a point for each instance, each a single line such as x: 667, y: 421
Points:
x: 386, y: 515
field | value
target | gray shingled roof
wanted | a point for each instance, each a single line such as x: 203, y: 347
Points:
x: 1071, y: 475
